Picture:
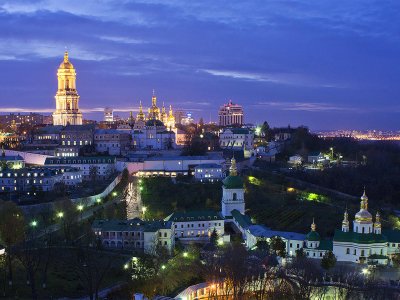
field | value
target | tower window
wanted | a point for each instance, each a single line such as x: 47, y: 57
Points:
x: 234, y: 196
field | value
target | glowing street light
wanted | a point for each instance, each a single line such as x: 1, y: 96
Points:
x: 185, y: 254
x: 98, y: 200
x: 365, y: 271
x: 60, y: 214
x: 220, y: 242
x: 144, y: 209
x: 80, y: 207
x: 114, y: 194
x: 126, y: 266
x: 163, y: 267
x: 34, y: 223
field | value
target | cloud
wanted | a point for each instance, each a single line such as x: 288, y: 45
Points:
x: 26, y: 110
x: 12, y: 48
x: 305, y: 106
x: 277, y: 78
x: 123, y: 40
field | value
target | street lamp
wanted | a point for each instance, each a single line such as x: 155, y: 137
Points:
x: 34, y: 223
x: 163, y: 267
x: 60, y: 214
x: 114, y: 194
x: 80, y: 207
x: 185, y: 254
x: 98, y: 200
x: 331, y: 148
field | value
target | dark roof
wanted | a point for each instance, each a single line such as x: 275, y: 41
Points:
x: 79, y: 127
x: 360, y: 238
x: 392, y: 235
x: 130, y: 225
x: 239, y: 130
x: 313, y: 236
x: 208, y: 166
x: 49, y: 129
x: 233, y: 182
x: 243, y: 220
x: 199, y: 215
x: 11, y: 157
x: 377, y: 256
x: 315, y: 153
x: 325, y: 245
x: 78, y: 160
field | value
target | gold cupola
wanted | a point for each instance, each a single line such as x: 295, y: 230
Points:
x: 364, y: 216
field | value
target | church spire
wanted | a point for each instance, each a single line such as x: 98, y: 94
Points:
x: 66, y: 56
x: 140, y: 115
x: 313, y: 226
x: 345, y: 223
x: 364, y: 201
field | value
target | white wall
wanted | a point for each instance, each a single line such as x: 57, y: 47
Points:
x: 30, y: 158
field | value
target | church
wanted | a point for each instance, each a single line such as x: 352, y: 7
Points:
x: 67, y: 99
x: 156, y: 131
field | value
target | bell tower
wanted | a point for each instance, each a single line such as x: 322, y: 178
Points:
x: 67, y: 98
x: 232, y: 192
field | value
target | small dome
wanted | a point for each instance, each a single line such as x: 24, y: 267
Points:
x: 313, y: 236
x: 233, y: 182
x: 363, y: 216
x: 66, y: 64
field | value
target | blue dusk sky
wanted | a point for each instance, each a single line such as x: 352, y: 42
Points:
x: 325, y: 64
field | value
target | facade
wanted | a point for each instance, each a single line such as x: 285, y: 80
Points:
x: 135, y: 234
x: 237, y: 139
x: 108, y: 115
x: 73, y: 138
x: 208, y: 172
x: 365, y: 243
x: 92, y: 167
x: 232, y: 193
x: 67, y: 98
x: 15, y: 120
x: 230, y: 114
x: 153, y: 136
x: 196, y: 225
x: 37, y: 179
x: 111, y: 141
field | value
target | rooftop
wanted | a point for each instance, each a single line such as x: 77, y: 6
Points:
x: 265, y: 232
x: 200, y: 215
x: 360, y: 238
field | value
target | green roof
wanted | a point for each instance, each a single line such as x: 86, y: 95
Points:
x: 377, y: 256
x: 392, y: 235
x: 325, y: 245
x: 233, y: 182
x: 360, y: 238
x: 313, y: 236
x: 195, y: 215
x: 243, y: 220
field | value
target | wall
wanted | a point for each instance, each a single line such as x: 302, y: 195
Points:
x: 30, y: 158
x: 87, y: 201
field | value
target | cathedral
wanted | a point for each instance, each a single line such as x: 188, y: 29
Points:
x: 154, y: 113
x: 67, y: 99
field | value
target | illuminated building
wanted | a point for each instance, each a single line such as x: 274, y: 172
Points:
x: 230, y: 114
x: 187, y: 119
x: 108, y: 115
x: 67, y: 98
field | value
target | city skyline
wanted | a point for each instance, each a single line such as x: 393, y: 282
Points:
x: 326, y: 66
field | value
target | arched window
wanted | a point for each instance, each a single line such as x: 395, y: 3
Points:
x: 362, y: 228
x: 348, y: 251
x: 234, y: 196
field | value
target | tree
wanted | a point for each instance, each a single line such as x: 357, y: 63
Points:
x: 69, y: 217
x: 263, y: 246
x: 328, y: 261
x: 214, y: 237
x: 300, y: 253
x: 12, y: 231
x: 93, y: 173
x: 266, y: 130
x: 278, y: 246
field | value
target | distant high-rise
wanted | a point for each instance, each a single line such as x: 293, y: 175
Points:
x: 230, y: 114
x: 67, y: 98
x: 108, y: 115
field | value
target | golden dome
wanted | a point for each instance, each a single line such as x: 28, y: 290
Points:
x: 363, y: 216
x: 66, y: 64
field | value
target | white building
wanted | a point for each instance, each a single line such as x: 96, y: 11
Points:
x: 232, y: 193
x: 135, y: 234
x: 365, y: 243
x: 153, y: 135
x: 111, y: 141
x: 92, y: 167
x: 208, y: 172
x: 108, y: 115
x: 237, y: 139
x: 230, y: 114
x: 196, y: 225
